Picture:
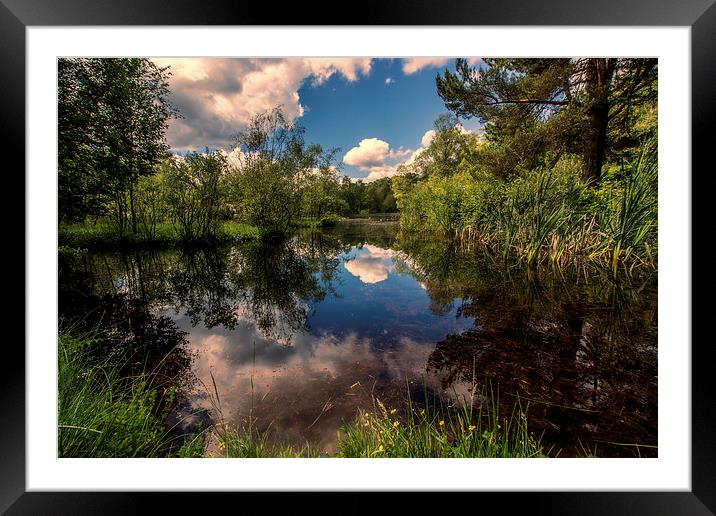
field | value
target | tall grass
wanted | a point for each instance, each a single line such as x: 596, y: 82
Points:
x: 439, y: 432
x: 629, y: 218
x: 465, y: 429
x: 547, y: 216
x: 103, y: 414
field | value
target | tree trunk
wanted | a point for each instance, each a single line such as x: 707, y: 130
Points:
x: 595, y: 143
x: 599, y: 73
x: 131, y: 209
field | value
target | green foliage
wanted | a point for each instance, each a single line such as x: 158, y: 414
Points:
x: 194, y: 446
x: 438, y: 432
x: 362, y: 199
x: 321, y: 195
x: 450, y: 147
x: 100, y: 413
x: 546, y: 215
x: 152, y: 208
x: 237, y: 232
x: 112, y: 118
x: 629, y: 218
x: 242, y: 443
x: 97, y: 236
x: 532, y: 108
x: 276, y: 167
x: 194, y: 192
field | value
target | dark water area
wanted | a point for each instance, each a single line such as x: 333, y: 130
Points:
x: 298, y: 334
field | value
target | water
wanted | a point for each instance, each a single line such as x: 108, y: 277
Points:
x: 298, y: 335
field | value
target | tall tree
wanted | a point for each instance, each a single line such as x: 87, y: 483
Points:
x: 113, y: 114
x: 542, y: 105
x: 274, y: 164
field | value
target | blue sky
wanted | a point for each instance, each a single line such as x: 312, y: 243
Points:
x: 377, y: 111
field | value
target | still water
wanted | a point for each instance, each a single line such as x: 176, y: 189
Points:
x: 297, y: 335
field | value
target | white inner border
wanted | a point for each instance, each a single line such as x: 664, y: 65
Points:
x: 671, y: 471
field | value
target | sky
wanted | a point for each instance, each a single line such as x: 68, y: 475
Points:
x: 378, y: 112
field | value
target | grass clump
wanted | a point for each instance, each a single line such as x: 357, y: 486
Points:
x: 103, y: 414
x: 238, y: 443
x: 437, y: 433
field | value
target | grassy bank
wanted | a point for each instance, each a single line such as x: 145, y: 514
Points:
x: 104, y: 235
x: 405, y: 432
x: 105, y: 413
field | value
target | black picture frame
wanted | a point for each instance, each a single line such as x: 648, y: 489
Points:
x: 700, y: 15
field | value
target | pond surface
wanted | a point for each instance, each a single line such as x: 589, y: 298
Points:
x: 297, y: 335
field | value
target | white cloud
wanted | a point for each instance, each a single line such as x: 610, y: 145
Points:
x: 322, y: 68
x: 389, y: 80
x: 378, y: 173
x: 218, y: 96
x: 374, y: 156
x: 234, y: 158
x: 415, y: 64
x: 427, y: 138
x: 371, y: 264
x: 400, y: 152
x: 370, y: 152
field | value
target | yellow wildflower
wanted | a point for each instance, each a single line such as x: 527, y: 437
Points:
x: 396, y: 423
x: 380, y: 448
x: 471, y: 427
x: 393, y: 411
x: 222, y: 445
x: 441, y: 423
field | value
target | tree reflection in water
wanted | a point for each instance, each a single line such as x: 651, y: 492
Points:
x: 578, y: 346
x: 581, y: 352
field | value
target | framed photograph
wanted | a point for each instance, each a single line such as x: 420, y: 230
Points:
x: 422, y: 244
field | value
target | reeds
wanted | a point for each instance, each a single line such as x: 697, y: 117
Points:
x: 547, y: 216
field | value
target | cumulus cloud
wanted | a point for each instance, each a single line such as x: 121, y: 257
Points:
x: 378, y: 173
x: 427, y: 138
x: 415, y: 64
x: 375, y: 156
x: 218, y: 96
x: 378, y: 157
x: 389, y: 80
x: 399, y: 153
x: 371, y: 264
x: 234, y: 158
x: 370, y: 152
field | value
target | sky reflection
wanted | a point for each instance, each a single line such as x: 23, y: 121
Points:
x: 366, y: 339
